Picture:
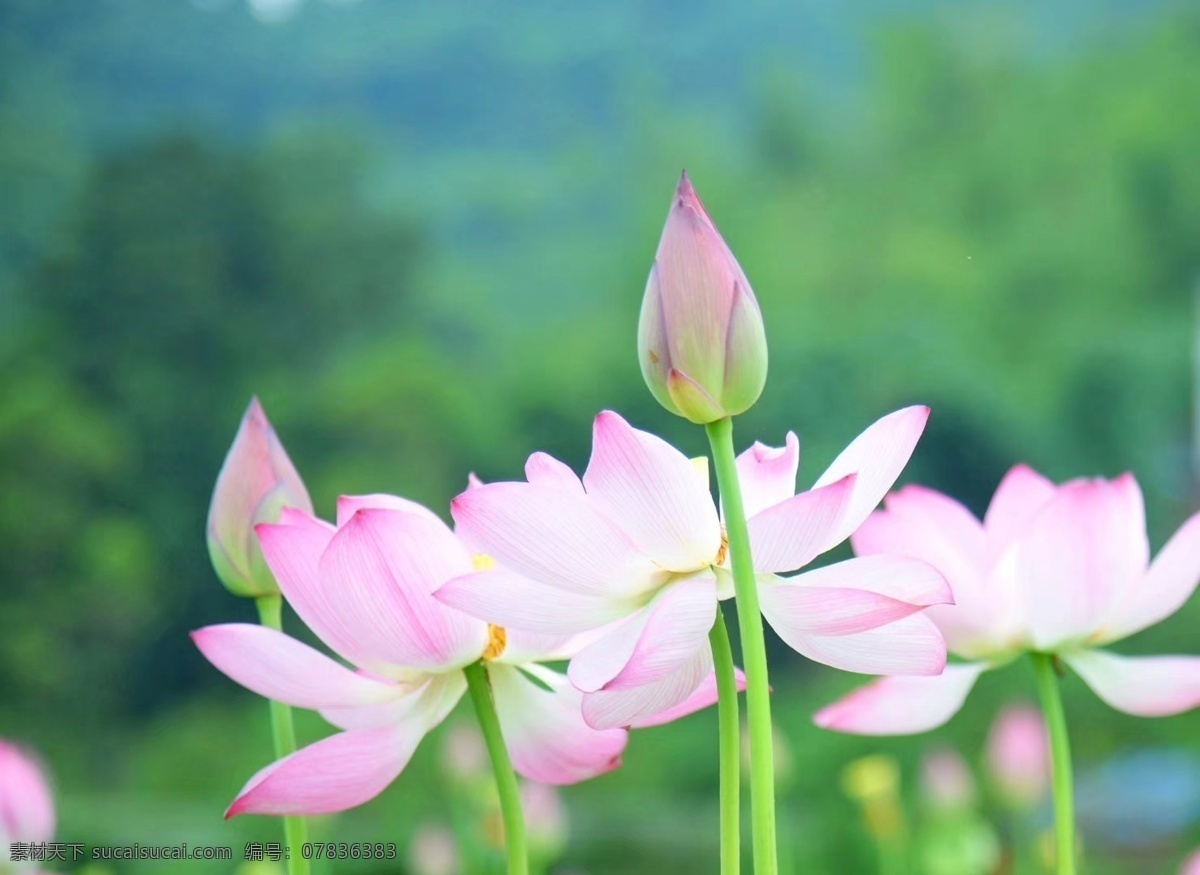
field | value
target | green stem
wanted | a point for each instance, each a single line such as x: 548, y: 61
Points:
x: 480, y: 687
x: 283, y: 732
x: 730, y: 746
x: 1060, y: 757
x: 754, y: 650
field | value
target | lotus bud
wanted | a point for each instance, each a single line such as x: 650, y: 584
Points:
x: 26, y: 808
x: 546, y: 819
x: 1018, y: 755
x: 946, y: 780
x: 433, y: 851
x: 256, y: 482
x: 701, y: 341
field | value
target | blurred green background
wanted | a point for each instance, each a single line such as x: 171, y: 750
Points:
x: 420, y: 231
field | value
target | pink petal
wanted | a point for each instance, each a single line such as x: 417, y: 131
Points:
x: 545, y: 470
x: 1148, y: 686
x: 653, y: 643
x: 653, y: 489
x: 1164, y: 589
x: 384, y: 565
x: 26, y: 808
x: 336, y: 773
x: 1191, y: 866
x: 293, y: 549
x: 504, y: 598
x: 851, y: 596
x: 552, y: 536
x: 279, y: 667
x: 767, y: 475
x: 927, y: 525
x: 428, y: 700
x: 789, y: 535
x: 877, y: 456
x: 1085, y: 546
x: 348, y: 505
x: 606, y: 709
x: 544, y: 729
x: 908, y: 646
x: 703, y: 696
x: 1020, y: 496
x: 902, y: 705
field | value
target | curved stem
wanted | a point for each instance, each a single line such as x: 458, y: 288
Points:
x: 754, y: 649
x: 1060, y: 756
x: 480, y: 687
x: 730, y: 746
x: 283, y: 733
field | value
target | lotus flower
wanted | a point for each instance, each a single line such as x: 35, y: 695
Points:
x: 256, y: 482
x: 1051, y: 569
x: 26, y: 808
x: 363, y: 587
x: 1018, y: 754
x: 1191, y: 866
x: 635, y: 549
x: 701, y: 341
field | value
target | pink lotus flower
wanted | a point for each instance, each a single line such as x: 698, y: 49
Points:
x: 256, y: 482
x: 1191, y: 866
x: 1018, y: 754
x: 635, y: 550
x: 1052, y: 569
x: 365, y: 588
x: 26, y: 808
x: 701, y: 341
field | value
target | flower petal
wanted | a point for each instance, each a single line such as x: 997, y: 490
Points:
x: 1087, y: 545
x: 703, y: 696
x: 544, y: 729
x: 877, y: 456
x: 927, y: 525
x: 851, y: 596
x: 280, y: 667
x: 1020, y: 496
x: 767, y: 475
x: 902, y: 705
x: 909, y: 646
x: 545, y: 470
x: 789, y: 535
x: 425, y: 705
x: 1164, y: 589
x: 348, y: 505
x: 653, y: 643
x: 26, y: 807
x: 553, y: 536
x: 504, y: 598
x: 1148, y: 686
x: 384, y: 565
x: 293, y: 550
x: 654, y: 490
x: 336, y: 773
x: 605, y: 709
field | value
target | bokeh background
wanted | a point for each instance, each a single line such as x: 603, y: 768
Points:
x: 420, y: 231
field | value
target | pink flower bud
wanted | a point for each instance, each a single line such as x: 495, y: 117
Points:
x: 26, y: 809
x: 545, y: 816
x: 433, y: 851
x: 946, y: 779
x: 1018, y: 755
x: 701, y: 341
x: 256, y: 482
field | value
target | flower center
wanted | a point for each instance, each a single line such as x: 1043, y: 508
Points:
x: 723, y: 551
x: 497, y: 641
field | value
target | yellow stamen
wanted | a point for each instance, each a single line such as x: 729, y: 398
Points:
x: 723, y: 552
x: 483, y: 562
x: 497, y: 641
